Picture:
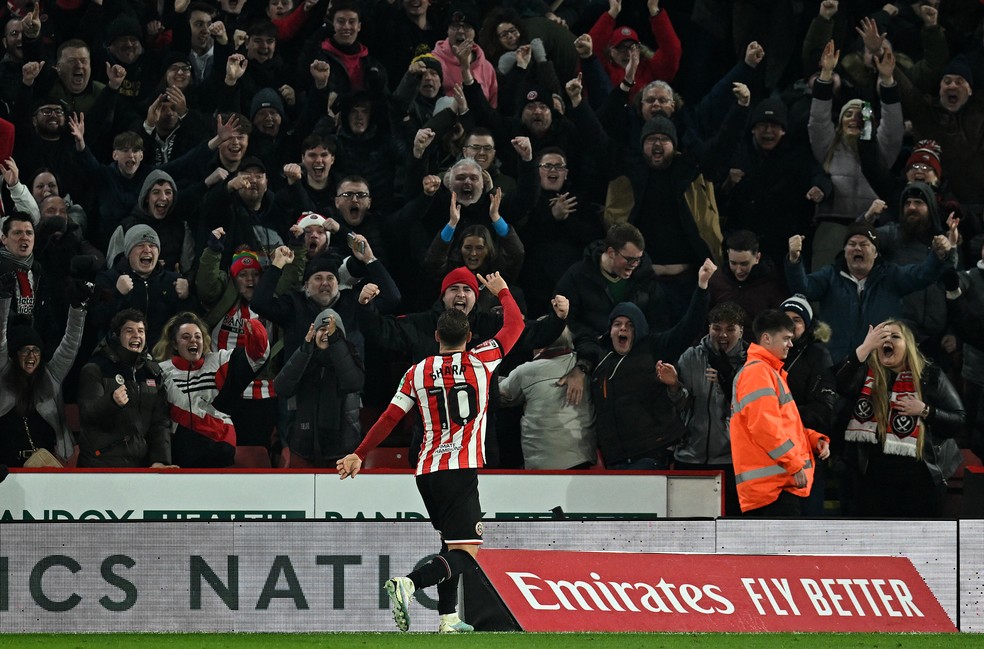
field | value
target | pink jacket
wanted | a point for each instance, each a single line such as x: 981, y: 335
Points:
x: 481, y: 69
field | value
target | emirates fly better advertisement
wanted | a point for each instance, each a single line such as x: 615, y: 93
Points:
x: 609, y: 591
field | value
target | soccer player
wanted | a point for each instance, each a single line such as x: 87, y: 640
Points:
x: 452, y: 392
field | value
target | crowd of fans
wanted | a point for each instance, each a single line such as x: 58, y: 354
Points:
x: 234, y: 223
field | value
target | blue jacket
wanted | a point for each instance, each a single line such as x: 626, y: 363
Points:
x: 849, y: 312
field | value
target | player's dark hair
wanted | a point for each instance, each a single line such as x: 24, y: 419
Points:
x: 771, y: 322
x: 453, y: 327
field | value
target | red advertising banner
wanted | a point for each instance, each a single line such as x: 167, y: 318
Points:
x: 614, y: 591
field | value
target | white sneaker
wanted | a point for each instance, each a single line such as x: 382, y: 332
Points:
x: 400, y: 591
x: 454, y: 624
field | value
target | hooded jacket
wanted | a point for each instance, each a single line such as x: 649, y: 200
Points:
x: 925, y: 309
x: 634, y: 417
x: 810, y: 376
x: 177, y: 243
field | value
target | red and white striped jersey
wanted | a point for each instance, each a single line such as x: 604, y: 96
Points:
x: 452, y: 392
x: 228, y: 334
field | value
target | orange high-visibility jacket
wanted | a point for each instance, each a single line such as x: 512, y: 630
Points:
x: 768, y: 441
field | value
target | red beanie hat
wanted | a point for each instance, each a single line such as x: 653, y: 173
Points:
x: 460, y: 275
x: 243, y: 260
x: 926, y: 152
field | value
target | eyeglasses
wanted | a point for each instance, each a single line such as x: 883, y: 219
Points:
x: 360, y: 196
x: 484, y: 148
x: 631, y: 261
x: 29, y: 351
x: 178, y: 67
x: 48, y: 112
x: 255, y: 177
x: 659, y: 139
x: 512, y: 31
x: 550, y: 166
x: 662, y: 101
x: 921, y: 167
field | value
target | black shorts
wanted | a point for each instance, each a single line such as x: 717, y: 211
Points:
x: 451, y: 499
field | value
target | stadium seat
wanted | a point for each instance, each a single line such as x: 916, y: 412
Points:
x: 252, y: 457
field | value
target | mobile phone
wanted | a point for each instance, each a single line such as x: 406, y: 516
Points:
x: 352, y: 243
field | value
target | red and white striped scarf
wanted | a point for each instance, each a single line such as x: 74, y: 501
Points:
x: 901, y: 431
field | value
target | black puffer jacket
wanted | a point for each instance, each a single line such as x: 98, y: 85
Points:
x: 135, y: 435
x: 322, y: 390
x: 810, y: 377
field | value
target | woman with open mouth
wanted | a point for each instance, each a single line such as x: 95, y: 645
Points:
x: 904, y: 410
x: 32, y: 413
x: 203, y: 386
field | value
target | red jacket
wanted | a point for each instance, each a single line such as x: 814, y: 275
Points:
x: 662, y: 66
x: 768, y: 440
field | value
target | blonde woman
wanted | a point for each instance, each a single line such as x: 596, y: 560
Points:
x: 903, y: 409
x: 835, y: 146
x: 202, y: 387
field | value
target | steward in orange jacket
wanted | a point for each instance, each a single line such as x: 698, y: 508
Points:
x: 771, y: 450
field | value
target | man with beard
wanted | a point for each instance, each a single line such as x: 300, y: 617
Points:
x: 171, y: 128
x: 296, y: 310
x: 310, y: 184
x: 44, y: 142
x: 121, y: 401
x: 861, y: 289
x: 673, y: 205
x: 245, y: 208
x: 137, y: 281
x: 700, y: 387
x: 906, y: 241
